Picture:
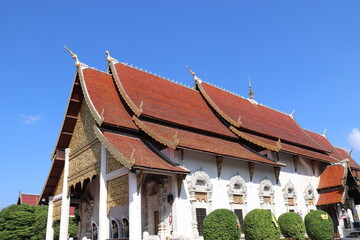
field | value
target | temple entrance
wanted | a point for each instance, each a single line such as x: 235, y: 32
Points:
x: 155, y: 205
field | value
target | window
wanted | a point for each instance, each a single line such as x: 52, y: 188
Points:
x: 239, y: 214
x: 200, y: 215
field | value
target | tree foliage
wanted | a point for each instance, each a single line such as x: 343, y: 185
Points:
x: 261, y: 224
x: 292, y: 226
x: 23, y: 222
x: 26, y: 222
x: 221, y: 224
x: 319, y: 225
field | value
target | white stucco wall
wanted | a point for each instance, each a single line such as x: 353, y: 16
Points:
x: 196, y: 161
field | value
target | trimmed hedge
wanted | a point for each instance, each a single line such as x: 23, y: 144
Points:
x: 261, y: 224
x: 292, y: 226
x: 319, y: 225
x: 221, y: 224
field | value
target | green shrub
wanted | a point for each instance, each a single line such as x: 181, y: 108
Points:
x: 319, y: 225
x: 261, y: 224
x: 221, y: 224
x: 292, y: 225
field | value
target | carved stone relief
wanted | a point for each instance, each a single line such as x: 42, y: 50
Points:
x: 237, y: 190
x: 266, y: 192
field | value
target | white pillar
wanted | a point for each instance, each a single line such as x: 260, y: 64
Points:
x: 65, y: 205
x: 103, y: 219
x: 49, y: 224
x: 134, y: 209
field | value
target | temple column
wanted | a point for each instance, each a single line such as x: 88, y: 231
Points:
x: 103, y: 219
x: 65, y: 204
x: 49, y: 224
x: 176, y: 210
x: 134, y: 209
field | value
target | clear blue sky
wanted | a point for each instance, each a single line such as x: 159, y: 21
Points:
x: 302, y: 55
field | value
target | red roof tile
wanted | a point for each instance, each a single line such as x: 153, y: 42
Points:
x: 104, y: 96
x: 31, y: 199
x: 307, y: 153
x: 330, y: 197
x: 321, y: 140
x: 144, y: 156
x: 258, y: 118
x: 201, y: 142
x: 168, y: 101
x: 285, y: 147
x: 332, y: 176
x: 341, y: 154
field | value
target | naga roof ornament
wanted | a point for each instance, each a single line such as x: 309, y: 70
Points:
x: 324, y: 133
x: 251, y: 93
x: 193, y: 73
x: 74, y: 56
x: 292, y: 113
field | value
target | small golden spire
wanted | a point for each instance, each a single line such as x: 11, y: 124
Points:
x: 292, y: 113
x: 74, y: 56
x: 251, y: 93
x: 324, y: 133
x: 192, y: 73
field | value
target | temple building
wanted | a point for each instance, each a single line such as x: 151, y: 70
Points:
x: 142, y: 157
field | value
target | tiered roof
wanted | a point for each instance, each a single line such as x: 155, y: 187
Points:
x: 138, y: 114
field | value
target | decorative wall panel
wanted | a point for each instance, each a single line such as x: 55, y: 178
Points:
x: 118, y: 192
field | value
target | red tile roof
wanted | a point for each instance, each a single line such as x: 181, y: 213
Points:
x: 340, y: 154
x: 321, y: 140
x: 144, y: 156
x: 258, y: 118
x: 31, y: 199
x: 285, y: 147
x: 104, y: 96
x: 209, y: 144
x: 332, y: 176
x: 330, y: 197
x: 307, y: 153
x: 168, y: 101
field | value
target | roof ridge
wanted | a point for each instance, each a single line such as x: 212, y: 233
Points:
x: 223, y: 89
x: 314, y: 132
x: 248, y: 99
x: 303, y: 130
x: 156, y: 75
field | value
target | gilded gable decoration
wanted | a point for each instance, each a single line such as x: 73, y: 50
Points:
x: 169, y: 143
x: 80, y: 67
x: 136, y: 110
x: 127, y: 162
x: 118, y: 192
x: 216, y: 107
x: 247, y: 137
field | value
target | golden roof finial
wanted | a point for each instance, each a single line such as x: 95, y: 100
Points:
x: 251, y: 93
x: 74, y: 56
x: 194, y: 74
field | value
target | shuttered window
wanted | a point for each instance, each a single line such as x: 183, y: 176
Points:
x: 200, y: 215
x: 239, y: 214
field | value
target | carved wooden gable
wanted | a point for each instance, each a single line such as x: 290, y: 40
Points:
x: 84, y: 149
